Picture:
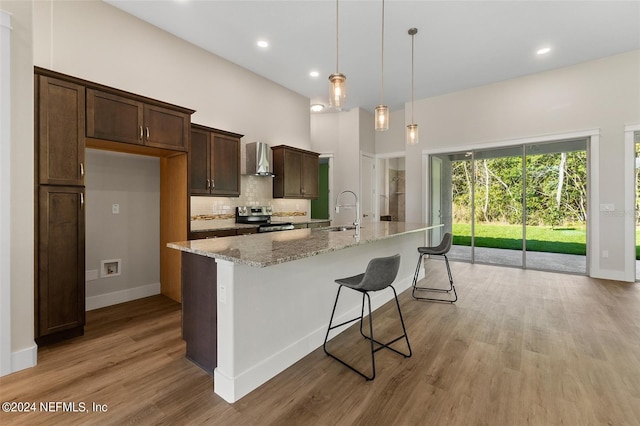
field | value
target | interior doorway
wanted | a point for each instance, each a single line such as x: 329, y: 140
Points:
x: 391, y: 189
x: 320, y: 205
x: 522, y: 205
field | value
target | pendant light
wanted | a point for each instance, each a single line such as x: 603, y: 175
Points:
x: 382, y: 111
x: 338, y: 86
x: 412, y: 129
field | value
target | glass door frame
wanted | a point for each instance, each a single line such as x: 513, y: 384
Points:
x: 592, y: 145
x: 631, y: 137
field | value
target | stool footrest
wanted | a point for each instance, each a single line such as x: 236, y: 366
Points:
x: 448, y: 291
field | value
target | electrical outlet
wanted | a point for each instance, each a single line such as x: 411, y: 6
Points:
x: 605, y: 254
x: 115, y: 209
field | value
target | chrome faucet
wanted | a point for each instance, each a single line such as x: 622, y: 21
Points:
x: 356, y: 204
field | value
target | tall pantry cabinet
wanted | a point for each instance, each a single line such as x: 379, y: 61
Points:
x: 60, y: 224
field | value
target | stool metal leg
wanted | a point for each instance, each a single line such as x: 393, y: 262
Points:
x: 371, y: 338
x: 438, y: 290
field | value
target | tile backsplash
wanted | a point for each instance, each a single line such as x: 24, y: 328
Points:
x: 255, y: 191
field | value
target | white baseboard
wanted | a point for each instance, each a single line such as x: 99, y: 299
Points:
x: 25, y: 358
x: 608, y: 274
x: 108, y: 299
x: 231, y: 389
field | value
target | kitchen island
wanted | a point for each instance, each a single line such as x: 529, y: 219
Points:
x: 254, y: 305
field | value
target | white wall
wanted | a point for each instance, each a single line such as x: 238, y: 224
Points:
x: 133, y: 235
x: 5, y: 193
x: 601, y: 94
x: 340, y: 134
x: 119, y: 50
x: 23, y: 349
x: 393, y: 139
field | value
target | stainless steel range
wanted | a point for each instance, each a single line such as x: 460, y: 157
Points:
x: 261, y: 216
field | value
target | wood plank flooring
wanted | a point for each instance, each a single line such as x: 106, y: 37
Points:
x: 519, y: 348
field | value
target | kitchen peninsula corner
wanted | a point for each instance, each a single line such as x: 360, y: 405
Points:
x: 263, y: 300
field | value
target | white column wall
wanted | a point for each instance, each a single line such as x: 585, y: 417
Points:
x: 20, y: 208
x: 5, y: 193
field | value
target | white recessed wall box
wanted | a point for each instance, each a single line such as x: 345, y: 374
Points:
x: 110, y: 268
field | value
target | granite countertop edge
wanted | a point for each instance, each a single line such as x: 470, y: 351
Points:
x: 345, y: 239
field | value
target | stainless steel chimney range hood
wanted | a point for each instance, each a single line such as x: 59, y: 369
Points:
x: 258, y: 161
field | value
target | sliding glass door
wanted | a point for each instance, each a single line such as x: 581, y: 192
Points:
x: 498, y: 206
x: 522, y: 206
x: 556, y: 203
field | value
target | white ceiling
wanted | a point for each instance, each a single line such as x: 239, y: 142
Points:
x: 460, y: 44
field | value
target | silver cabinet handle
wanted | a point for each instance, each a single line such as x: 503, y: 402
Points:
x: 141, y: 134
x: 81, y: 200
x: 208, y: 184
x: 82, y: 169
x: 147, y: 133
x: 213, y: 184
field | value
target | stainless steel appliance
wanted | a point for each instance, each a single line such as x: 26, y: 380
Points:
x: 261, y: 216
x: 257, y: 160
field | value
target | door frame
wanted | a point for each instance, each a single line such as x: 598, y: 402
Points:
x: 629, y: 203
x: 593, y: 177
x: 374, y: 187
x: 377, y: 157
x: 332, y: 203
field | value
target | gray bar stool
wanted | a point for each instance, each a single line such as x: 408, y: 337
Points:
x: 440, y: 250
x: 380, y: 273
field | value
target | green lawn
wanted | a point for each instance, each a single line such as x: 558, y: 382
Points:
x: 539, y: 238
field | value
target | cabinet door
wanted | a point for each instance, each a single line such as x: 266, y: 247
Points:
x: 292, y: 174
x: 114, y: 118
x: 61, y: 117
x: 199, y: 162
x: 309, y: 172
x: 225, y: 169
x: 61, y: 246
x: 164, y: 128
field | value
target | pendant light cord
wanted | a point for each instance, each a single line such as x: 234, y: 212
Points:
x: 337, y: 36
x: 412, y: 38
x: 382, y: 61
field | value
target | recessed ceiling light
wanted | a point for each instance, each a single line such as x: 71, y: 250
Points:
x: 317, y: 107
x: 543, y: 51
x: 263, y: 43
x: 314, y: 73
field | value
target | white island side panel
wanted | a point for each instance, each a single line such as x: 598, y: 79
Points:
x: 269, y: 318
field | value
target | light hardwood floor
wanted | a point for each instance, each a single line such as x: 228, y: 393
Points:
x: 519, y: 347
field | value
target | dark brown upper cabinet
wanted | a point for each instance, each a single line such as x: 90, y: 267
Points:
x: 214, y: 162
x: 120, y: 118
x: 60, y: 119
x: 296, y: 173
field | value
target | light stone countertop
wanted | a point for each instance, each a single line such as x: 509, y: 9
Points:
x: 272, y: 248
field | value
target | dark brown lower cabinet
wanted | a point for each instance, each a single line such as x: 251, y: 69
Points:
x: 199, y: 310
x: 60, y: 298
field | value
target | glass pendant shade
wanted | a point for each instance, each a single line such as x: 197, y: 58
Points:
x: 412, y: 134
x: 338, y: 90
x: 382, y: 118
